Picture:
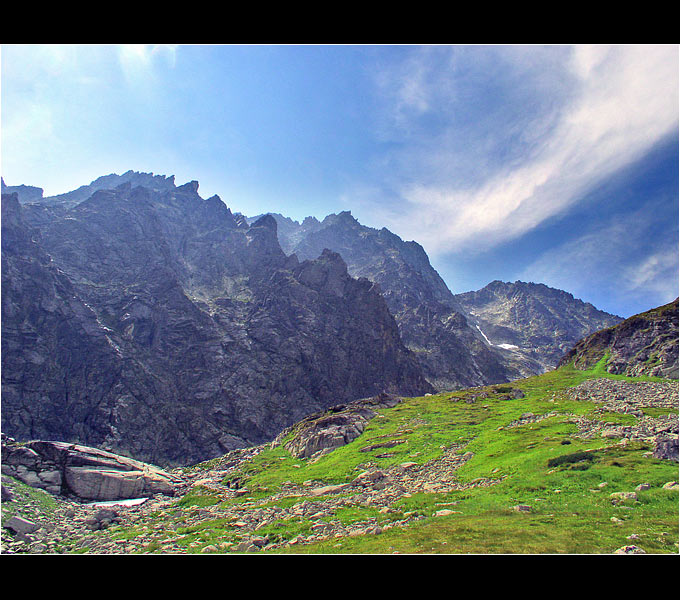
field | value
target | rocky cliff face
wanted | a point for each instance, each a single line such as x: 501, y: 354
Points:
x: 156, y: 324
x: 644, y: 344
x: 25, y: 193
x: 451, y: 354
x: 533, y: 324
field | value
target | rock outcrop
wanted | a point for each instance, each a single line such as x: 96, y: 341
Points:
x: 156, y: 324
x: 331, y: 429
x: 644, y: 344
x: 81, y: 472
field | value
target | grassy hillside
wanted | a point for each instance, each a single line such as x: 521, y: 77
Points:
x: 495, y: 473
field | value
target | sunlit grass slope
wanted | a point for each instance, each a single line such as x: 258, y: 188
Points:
x: 541, y: 466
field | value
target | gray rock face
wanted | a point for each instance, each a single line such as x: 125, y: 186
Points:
x: 20, y: 525
x: 533, y: 324
x: 666, y: 448
x: 450, y: 353
x: 502, y: 332
x: 82, y: 472
x: 153, y: 323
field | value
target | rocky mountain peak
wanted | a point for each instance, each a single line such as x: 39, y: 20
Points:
x: 266, y: 221
x: 344, y: 218
x: 532, y: 323
x: 157, y: 324
x: 310, y: 221
x: 190, y: 186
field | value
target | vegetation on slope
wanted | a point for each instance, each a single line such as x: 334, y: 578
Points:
x: 527, y: 484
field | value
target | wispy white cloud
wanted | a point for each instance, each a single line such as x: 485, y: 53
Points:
x: 623, y: 261
x: 621, y: 100
x: 656, y: 273
x: 139, y: 62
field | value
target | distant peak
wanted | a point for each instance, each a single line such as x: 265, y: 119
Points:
x: 267, y: 221
x: 344, y: 216
x: 191, y: 186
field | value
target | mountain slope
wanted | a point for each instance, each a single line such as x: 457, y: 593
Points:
x: 192, y: 333
x: 566, y: 462
x: 531, y: 321
x: 499, y: 333
x: 451, y: 354
x: 644, y: 344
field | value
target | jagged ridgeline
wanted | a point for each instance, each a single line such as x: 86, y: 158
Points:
x: 139, y: 317
x: 500, y: 333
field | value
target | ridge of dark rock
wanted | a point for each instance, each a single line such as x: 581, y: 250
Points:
x: 452, y: 351
x: 157, y: 324
x: 644, y: 344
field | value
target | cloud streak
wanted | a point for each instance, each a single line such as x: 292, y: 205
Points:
x: 621, y: 100
x: 631, y: 260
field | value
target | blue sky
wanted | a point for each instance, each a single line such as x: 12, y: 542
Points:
x: 555, y: 164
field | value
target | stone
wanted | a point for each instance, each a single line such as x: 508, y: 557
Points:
x: 7, y: 494
x: 330, y: 489
x: 53, y: 478
x: 323, y: 432
x: 630, y: 550
x: 666, y: 448
x: 670, y: 485
x: 524, y: 508
x: 623, y: 496
x: 20, y: 525
x: 408, y: 465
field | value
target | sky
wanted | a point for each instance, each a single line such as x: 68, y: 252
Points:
x: 555, y: 164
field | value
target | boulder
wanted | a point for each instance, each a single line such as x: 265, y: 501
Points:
x: 630, y: 550
x: 20, y: 525
x: 666, y: 448
x: 331, y: 429
x: 623, y: 496
x: 83, y: 472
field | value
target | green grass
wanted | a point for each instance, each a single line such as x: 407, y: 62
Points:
x: 44, y: 502
x: 565, y: 479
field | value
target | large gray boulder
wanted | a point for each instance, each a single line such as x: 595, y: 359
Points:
x: 336, y: 427
x: 666, y: 447
x: 83, y: 472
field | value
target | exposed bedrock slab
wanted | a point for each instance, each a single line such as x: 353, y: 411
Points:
x: 83, y: 472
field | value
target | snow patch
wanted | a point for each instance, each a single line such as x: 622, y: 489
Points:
x: 129, y: 502
x: 488, y: 341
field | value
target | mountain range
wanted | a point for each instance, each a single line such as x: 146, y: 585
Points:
x: 143, y: 319
x: 502, y: 332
